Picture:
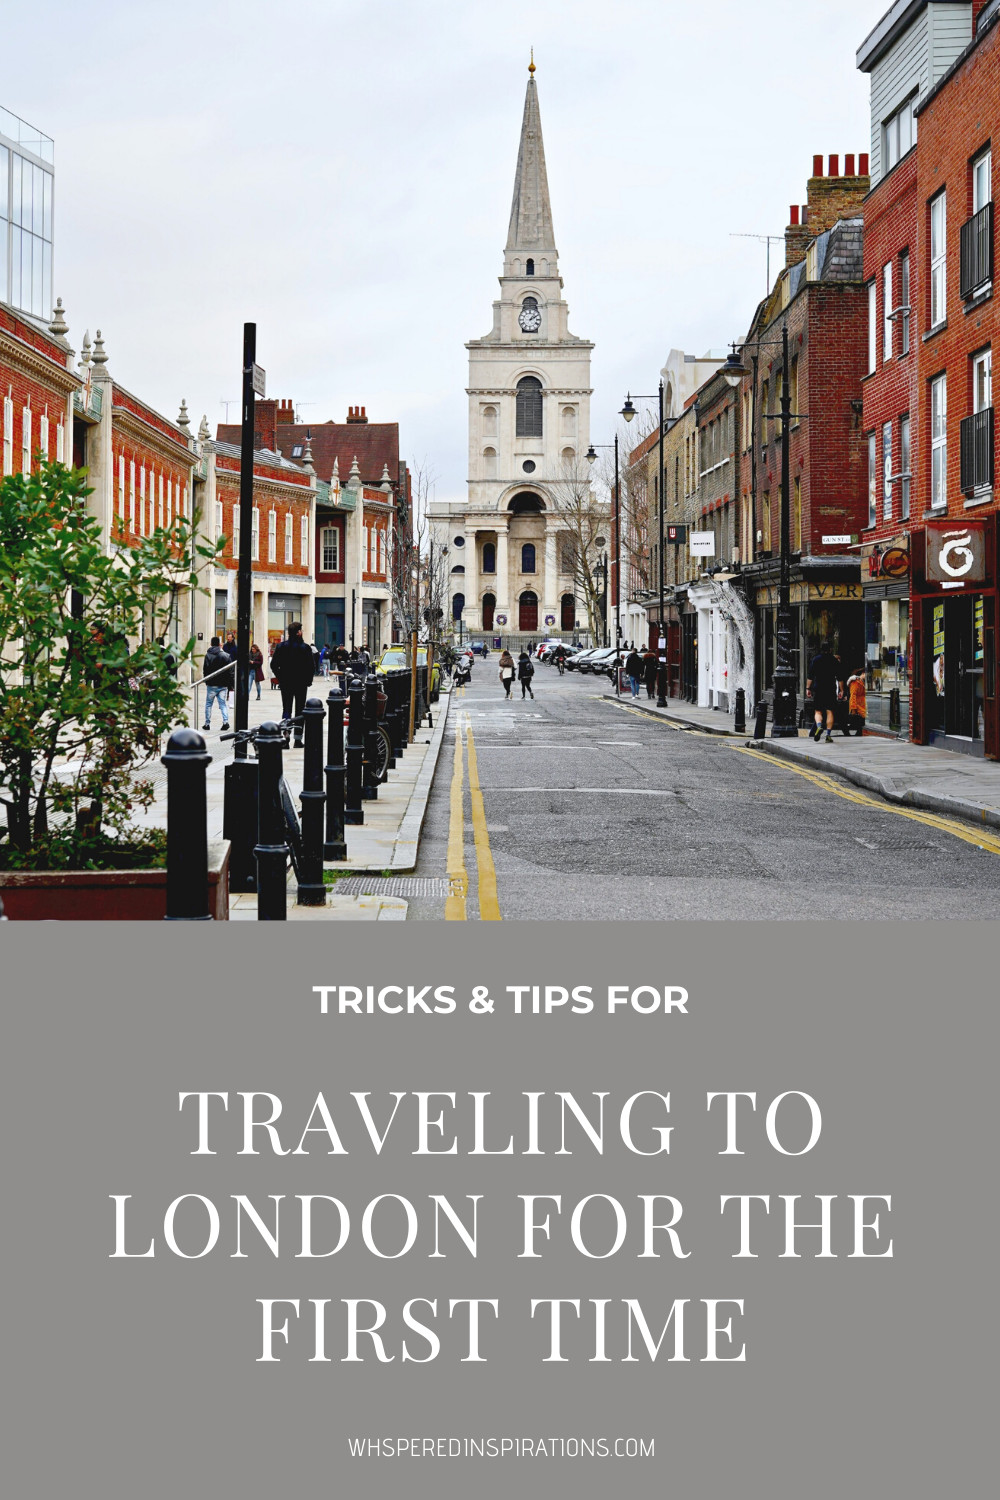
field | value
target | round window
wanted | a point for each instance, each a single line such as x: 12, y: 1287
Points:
x: 528, y: 466
x: 458, y: 541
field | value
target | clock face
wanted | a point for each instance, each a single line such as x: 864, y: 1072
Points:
x: 529, y: 318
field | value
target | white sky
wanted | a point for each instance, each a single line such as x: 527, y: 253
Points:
x: 342, y: 173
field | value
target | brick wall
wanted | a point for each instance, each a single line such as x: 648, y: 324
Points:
x: 276, y: 491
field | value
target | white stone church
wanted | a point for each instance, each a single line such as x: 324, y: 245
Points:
x: 507, y: 569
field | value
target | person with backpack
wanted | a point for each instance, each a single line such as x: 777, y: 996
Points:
x: 525, y: 672
x: 634, y: 670
x: 292, y: 665
x: 506, y: 672
x: 220, y: 673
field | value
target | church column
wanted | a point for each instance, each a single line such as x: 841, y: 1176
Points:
x: 503, y: 579
x: 550, y: 581
x: 473, y: 614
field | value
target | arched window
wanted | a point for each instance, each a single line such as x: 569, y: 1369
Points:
x: 490, y: 462
x: 526, y: 504
x: 569, y: 420
x: 569, y: 457
x: 489, y: 421
x: 529, y: 407
x: 458, y: 568
x: 489, y: 557
x: 457, y: 606
x: 527, y: 612
x: 567, y: 614
x: 489, y: 605
x: 528, y: 557
x: 529, y: 268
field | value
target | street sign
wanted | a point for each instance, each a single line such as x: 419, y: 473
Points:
x: 702, y: 543
x: 258, y: 380
x: 837, y: 541
x: 676, y: 536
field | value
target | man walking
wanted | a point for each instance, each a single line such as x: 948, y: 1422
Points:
x: 634, y: 670
x: 525, y: 672
x: 826, y: 685
x: 292, y: 665
x: 220, y: 673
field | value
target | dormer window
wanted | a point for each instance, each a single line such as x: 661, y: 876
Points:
x: 297, y: 450
x: 529, y: 268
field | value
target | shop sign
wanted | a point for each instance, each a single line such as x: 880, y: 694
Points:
x: 702, y: 543
x: 956, y: 554
x: 813, y: 593
x: 894, y: 562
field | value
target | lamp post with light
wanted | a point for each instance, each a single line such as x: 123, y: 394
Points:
x: 591, y: 457
x: 628, y: 412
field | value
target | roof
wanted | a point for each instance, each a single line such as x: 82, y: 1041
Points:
x: 530, y: 211
x: 890, y: 28
x: 263, y: 457
x: 374, y: 444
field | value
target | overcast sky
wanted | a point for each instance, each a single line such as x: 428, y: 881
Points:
x: 342, y: 174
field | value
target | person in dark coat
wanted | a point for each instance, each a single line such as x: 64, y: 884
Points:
x: 218, y: 668
x: 525, y: 672
x: 292, y: 665
x: 650, y: 666
x: 826, y: 685
x: 634, y: 670
x: 256, y: 673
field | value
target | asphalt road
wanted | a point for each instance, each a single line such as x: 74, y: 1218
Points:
x: 585, y: 808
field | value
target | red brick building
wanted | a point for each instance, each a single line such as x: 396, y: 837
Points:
x: 37, y: 386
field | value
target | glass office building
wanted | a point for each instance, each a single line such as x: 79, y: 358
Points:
x: 26, y: 178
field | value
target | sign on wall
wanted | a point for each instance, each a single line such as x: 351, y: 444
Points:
x: 702, y: 543
x: 956, y: 553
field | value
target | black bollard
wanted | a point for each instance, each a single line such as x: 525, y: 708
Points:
x: 311, y: 889
x: 740, y: 721
x: 760, y: 722
x: 334, y: 846
x: 353, y: 810
x: 271, y: 850
x: 397, y: 728
x: 186, y: 760
x: 370, y: 783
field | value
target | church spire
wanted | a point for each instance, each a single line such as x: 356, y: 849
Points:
x: 530, y: 212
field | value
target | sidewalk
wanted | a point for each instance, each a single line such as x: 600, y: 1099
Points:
x: 960, y: 786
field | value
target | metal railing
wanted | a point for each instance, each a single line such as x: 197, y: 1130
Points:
x: 976, y: 268
x: 976, y: 435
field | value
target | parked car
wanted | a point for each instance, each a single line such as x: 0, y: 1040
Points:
x: 602, y: 663
x: 395, y: 656
x: 580, y: 662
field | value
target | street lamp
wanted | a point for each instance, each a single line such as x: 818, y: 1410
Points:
x: 591, y: 457
x: 628, y: 412
x: 783, y: 717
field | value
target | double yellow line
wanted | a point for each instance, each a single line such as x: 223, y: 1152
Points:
x: 455, y: 907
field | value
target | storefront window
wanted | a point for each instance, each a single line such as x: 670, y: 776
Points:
x: 887, y: 664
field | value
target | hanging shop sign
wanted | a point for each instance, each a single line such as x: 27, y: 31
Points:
x: 702, y: 543
x: 956, y: 553
x: 893, y: 562
x: 676, y: 536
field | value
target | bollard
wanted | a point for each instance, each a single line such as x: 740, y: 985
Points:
x: 271, y: 850
x: 386, y: 720
x: 398, y: 727
x: 370, y: 777
x: 186, y: 760
x: 311, y: 889
x: 334, y: 846
x: 740, y: 721
x: 895, y: 709
x: 760, y: 722
x: 353, y: 810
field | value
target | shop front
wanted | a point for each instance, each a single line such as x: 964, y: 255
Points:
x: 827, y: 611
x: 886, y: 590
x: 282, y: 611
x: 954, y: 646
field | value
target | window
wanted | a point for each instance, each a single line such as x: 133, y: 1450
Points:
x: 939, y: 442
x: 272, y: 534
x: 297, y: 450
x: 797, y: 516
x: 121, y: 488
x: 904, y: 468
x: 142, y: 500
x: 569, y: 420
x: 872, y: 328
x: 899, y: 133
x: 160, y: 503
x: 365, y: 554
x: 529, y: 407
x: 872, y: 480
x: 8, y: 435
x: 60, y: 443
x: 764, y: 400
x: 490, y: 463
x: 304, y: 541
x: 236, y: 531
x: 529, y: 268
x: 255, y: 535
x: 489, y: 421
x: 887, y: 311
x: 982, y: 381
x: 765, y: 522
x: 219, y: 519
x: 43, y: 435
x: 938, y: 288
x: 131, y: 494
x: 330, y: 545
x: 887, y: 471
x: 982, y: 185
x: 489, y: 557
x: 457, y: 606
x: 568, y: 457
x: 289, y: 539
x: 26, y: 440
x: 528, y: 557
x: 904, y: 300
x: 746, y: 420
x: 795, y: 391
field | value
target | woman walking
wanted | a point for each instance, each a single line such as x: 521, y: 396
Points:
x: 634, y: 670
x: 506, y: 672
x: 256, y: 674
x: 525, y: 672
x: 649, y: 669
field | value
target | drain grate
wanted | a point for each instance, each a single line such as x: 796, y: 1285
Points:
x: 392, y: 885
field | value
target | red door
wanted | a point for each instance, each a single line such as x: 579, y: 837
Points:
x: 568, y: 613
x: 527, y: 613
x: 489, y: 605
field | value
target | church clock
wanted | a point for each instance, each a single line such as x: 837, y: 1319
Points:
x: 529, y: 318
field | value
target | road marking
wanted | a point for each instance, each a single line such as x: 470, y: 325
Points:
x: 610, y: 791
x: 489, y: 906
x: 454, y: 906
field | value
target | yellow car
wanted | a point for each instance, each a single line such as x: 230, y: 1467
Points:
x: 395, y: 656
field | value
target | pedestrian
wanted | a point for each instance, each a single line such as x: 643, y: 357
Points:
x: 324, y: 661
x: 634, y: 670
x: 230, y: 649
x: 218, y: 670
x: 292, y: 665
x: 826, y: 684
x: 364, y: 658
x: 857, y: 702
x: 255, y: 676
x: 650, y: 666
x: 506, y: 672
x: 525, y: 672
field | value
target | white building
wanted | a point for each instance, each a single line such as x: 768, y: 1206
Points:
x: 509, y: 568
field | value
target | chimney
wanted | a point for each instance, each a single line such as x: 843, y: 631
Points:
x: 285, y: 412
x: 831, y: 197
x: 356, y: 414
x: 264, y: 417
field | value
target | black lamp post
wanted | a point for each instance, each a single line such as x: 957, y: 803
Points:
x: 784, y: 716
x: 591, y: 457
x: 628, y: 412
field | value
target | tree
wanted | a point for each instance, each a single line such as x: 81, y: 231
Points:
x: 80, y: 711
x: 584, y: 519
x: 407, y: 552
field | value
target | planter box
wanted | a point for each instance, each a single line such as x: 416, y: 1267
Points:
x: 105, y: 895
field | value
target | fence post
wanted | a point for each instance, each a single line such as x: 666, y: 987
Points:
x: 334, y: 847
x: 760, y: 722
x: 311, y: 888
x: 187, y: 760
x: 353, y: 810
x: 272, y: 850
x: 370, y: 789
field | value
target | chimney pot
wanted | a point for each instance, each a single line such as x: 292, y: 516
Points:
x: 849, y: 165
x: 817, y: 166
x: 834, y: 166
x: 794, y: 214
x: 863, y: 164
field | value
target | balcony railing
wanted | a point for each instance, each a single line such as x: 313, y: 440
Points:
x: 977, y: 450
x: 977, y: 252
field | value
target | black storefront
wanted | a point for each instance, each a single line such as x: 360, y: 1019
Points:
x: 827, y: 606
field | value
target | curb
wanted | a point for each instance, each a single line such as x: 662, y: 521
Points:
x: 407, y: 844
x: 681, y: 723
